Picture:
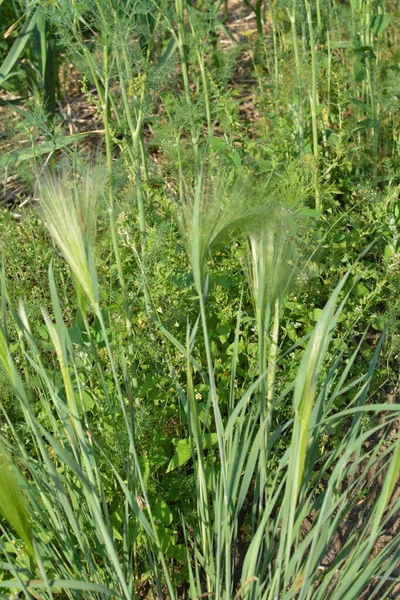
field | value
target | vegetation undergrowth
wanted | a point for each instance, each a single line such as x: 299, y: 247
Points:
x: 199, y: 321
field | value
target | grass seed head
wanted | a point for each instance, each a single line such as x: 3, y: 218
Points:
x: 272, y: 260
x: 217, y: 210
x: 69, y: 208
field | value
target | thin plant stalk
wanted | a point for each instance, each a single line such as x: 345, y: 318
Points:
x: 314, y: 104
x: 106, y: 116
x: 368, y: 43
x: 276, y: 59
x: 200, y: 59
x: 259, y: 20
x: 181, y: 39
x: 200, y: 54
x: 272, y: 364
x: 135, y: 129
x: 292, y: 19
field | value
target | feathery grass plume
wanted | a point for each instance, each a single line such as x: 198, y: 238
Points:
x: 271, y: 268
x: 69, y: 207
x: 218, y: 208
x: 272, y: 261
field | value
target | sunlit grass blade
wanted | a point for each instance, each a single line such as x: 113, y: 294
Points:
x: 391, y: 479
x: 20, y: 43
x: 12, y: 501
x: 303, y: 401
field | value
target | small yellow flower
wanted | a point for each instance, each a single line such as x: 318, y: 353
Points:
x: 198, y: 396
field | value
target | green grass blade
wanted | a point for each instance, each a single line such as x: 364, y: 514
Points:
x: 12, y: 502
x: 61, y: 584
x: 10, y: 159
x: 20, y: 43
x: 391, y: 479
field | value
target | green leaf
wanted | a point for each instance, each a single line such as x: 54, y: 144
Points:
x: 85, y: 401
x: 315, y: 314
x: 378, y: 323
x: 168, y: 52
x: 217, y: 143
x: 178, y: 552
x: 366, y: 124
x: 388, y: 251
x: 237, y: 161
x: 210, y: 440
x: 360, y: 290
x: 308, y: 212
x: 182, y: 454
x: 75, y: 334
x: 157, y: 455
x: 12, y: 502
x: 161, y: 511
x: 360, y: 72
x: 19, y: 44
x: 380, y: 22
x: 117, y: 524
x: 17, y: 156
x: 167, y: 537
x: 223, y: 332
x: 68, y: 584
x: 392, y: 477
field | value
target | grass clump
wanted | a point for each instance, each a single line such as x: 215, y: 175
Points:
x: 92, y: 516
x: 198, y: 334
